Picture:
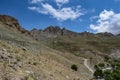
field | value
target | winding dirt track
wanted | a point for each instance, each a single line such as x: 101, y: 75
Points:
x: 87, y: 66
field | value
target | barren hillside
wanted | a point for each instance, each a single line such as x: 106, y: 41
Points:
x: 49, y: 54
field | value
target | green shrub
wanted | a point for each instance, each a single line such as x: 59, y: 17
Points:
x: 18, y: 59
x: 98, y: 73
x: 96, y: 67
x: 29, y: 62
x: 26, y: 78
x: 34, y: 63
x: 106, y: 58
x: 74, y: 67
x: 5, y: 78
x: 101, y: 65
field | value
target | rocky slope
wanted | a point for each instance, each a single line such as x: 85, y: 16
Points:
x: 48, y: 54
x: 24, y: 58
x: 77, y: 43
x: 12, y: 23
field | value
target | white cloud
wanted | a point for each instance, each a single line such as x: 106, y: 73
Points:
x: 35, y: 1
x: 108, y: 21
x: 61, y: 2
x: 38, y: 9
x: 94, y: 18
x: 60, y: 14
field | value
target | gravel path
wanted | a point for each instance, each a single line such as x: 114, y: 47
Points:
x: 87, y: 66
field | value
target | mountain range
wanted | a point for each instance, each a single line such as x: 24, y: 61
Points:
x: 50, y: 53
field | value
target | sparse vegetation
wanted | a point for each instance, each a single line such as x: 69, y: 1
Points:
x: 26, y: 78
x: 108, y: 74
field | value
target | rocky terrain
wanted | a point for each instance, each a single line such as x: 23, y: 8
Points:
x: 50, y: 53
x: 12, y: 23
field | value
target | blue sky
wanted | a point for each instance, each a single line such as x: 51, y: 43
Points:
x: 75, y: 15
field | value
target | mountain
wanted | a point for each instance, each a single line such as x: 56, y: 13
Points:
x: 24, y: 58
x: 12, y: 23
x: 51, y: 32
x: 77, y: 43
x: 53, y: 53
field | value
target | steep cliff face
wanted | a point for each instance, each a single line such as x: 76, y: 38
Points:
x: 12, y: 23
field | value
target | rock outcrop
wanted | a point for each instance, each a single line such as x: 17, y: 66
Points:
x: 51, y: 32
x: 12, y: 23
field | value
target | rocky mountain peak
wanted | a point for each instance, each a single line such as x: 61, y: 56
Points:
x: 12, y: 23
x: 9, y: 21
x: 106, y: 34
x: 53, y: 29
x: 86, y: 33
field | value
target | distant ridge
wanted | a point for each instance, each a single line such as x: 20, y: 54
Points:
x: 49, y: 32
